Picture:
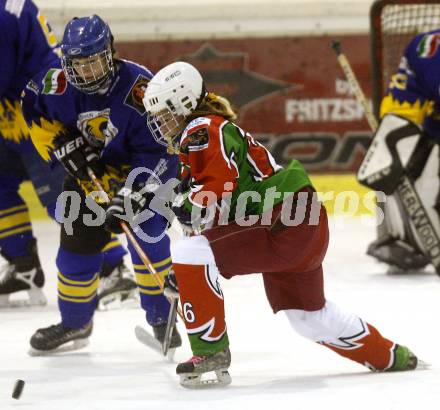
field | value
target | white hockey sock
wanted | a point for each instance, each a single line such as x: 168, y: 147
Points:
x: 328, y: 324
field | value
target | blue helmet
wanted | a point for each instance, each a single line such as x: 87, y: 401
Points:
x: 87, y: 53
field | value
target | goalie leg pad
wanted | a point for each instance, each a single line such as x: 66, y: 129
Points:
x: 389, y: 154
x: 437, y: 199
x: 420, y: 156
x: 401, y: 245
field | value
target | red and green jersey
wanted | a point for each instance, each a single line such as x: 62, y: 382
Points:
x: 220, y: 160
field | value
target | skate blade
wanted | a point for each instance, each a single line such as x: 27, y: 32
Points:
x: 35, y: 298
x: 120, y: 300
x: 198, y: 381
x: 396, y: 271
x: 68, y: 347
x: 422, y: 365
x: 150, y: 341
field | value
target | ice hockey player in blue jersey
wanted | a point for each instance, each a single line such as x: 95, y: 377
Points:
x: 96, y: 121
x: 27, y: 44
x: 410, y: 125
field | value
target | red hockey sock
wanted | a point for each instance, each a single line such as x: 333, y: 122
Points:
x: 369, y: 348
x: 203, y: 307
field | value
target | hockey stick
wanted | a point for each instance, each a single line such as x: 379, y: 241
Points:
x: 145, y: 259
x: 405, y: 189
x: 172, y: 315
x: 354, y: 84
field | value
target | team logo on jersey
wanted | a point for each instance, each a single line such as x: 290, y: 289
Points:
x: 136, y: 94
x: 196, y: 141
x: 428, y: 45
x: 97, y: 127
x: 54, y: 82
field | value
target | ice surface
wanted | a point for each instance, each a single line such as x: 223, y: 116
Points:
x: 273, y: 368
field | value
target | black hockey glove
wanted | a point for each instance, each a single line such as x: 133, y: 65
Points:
x: 116, y: 208
x: 76, y: 155
x: 178, y: 206
x: 171, y: 288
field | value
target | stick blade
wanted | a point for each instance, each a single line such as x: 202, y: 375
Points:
x: 150, y: 341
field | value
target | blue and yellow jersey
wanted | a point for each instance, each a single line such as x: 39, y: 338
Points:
x: 113, y: 122
x: 414, y: 91
x: 26, y: 45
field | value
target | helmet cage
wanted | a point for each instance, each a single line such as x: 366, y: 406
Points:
x: 166, y: 126
x: 78, y: 74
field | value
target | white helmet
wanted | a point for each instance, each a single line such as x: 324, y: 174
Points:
x: 172, y: 94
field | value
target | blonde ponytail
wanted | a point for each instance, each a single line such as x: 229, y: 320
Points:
x: 214, y: 104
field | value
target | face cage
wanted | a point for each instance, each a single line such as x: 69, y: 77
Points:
x: 166, y: 128
x: 78, y: 79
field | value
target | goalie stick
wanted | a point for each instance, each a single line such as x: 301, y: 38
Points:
x: 406, y: 192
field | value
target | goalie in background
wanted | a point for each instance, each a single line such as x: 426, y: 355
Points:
x: 27, y: 45
x: 407, y: 141
x: 219, y: 162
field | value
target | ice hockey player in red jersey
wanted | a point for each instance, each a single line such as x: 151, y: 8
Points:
x: 247, y: 215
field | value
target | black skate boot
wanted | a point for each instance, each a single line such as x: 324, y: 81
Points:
x: 55, y: 339
x: 22, y: 273
x: 159, y: 334
x: 117, y: 287
x: 191, y: 371
x: 399, y: 254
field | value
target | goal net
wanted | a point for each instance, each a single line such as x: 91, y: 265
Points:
x: 393, y: 24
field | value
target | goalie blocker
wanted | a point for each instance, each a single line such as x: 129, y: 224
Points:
x: 395, y: 159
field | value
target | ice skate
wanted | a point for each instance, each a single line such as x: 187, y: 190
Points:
x: 399, y: 254
x: 22, y: 274
x: 58, y: 339
x: 117, y: 288
x: 159, y: 334
x: 192, y: 372
x: 156, y: 340
x: 404, y: 360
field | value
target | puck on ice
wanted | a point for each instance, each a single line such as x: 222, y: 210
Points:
x: 18, y: 389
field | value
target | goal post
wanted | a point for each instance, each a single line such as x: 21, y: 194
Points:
x: 393, y: 23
